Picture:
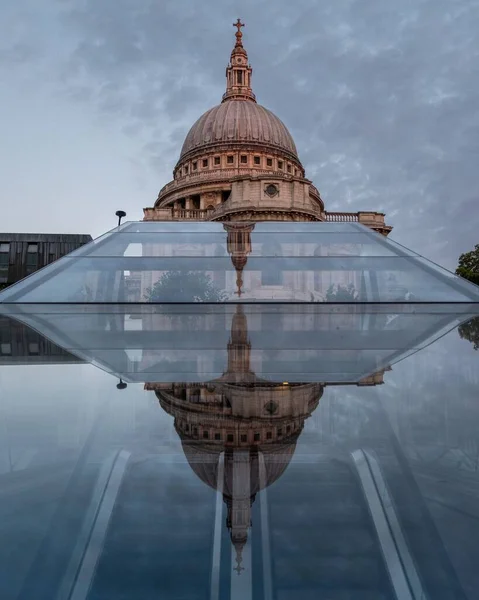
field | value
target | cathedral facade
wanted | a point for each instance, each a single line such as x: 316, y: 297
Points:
x: 239, y: 162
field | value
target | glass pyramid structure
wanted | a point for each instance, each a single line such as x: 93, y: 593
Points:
x: 184, y: 262
x: 197, y: 302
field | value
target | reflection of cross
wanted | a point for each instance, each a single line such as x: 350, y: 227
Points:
x: 239, y: 568
x: 239, y: 25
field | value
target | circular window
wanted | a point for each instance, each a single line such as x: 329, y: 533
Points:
x: 271, y: 190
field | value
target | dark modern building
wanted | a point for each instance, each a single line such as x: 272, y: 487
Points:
x: 22, y: 254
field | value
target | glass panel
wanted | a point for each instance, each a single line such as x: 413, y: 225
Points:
x: 215, y: 279
x: 255, y: 244
x: 209, y: 226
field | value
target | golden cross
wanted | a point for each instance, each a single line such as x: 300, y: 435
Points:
x: 239, y: 25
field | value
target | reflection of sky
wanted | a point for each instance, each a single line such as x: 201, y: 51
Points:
x: 160, y: 532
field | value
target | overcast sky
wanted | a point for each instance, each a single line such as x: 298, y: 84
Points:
x: 382, y: 99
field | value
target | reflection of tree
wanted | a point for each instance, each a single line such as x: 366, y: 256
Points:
x: 339, y: 293
x: 470, y: 331
x: 184, y: 286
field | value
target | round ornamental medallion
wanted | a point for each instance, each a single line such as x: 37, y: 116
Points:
x: 271, y: 408
x: 271, y: 190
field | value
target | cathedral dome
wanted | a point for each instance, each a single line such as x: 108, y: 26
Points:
x: 238, y: 162
x: 239, y: 121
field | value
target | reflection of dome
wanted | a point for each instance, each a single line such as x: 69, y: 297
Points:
x: 239, y: 121
x: 238, y: 432
x: 204, y: 461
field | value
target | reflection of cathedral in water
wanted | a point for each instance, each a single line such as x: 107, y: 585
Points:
x: 239, y: 432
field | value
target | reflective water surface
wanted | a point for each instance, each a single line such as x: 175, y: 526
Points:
x: 337, y: 460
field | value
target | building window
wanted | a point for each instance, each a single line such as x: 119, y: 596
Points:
x: 256, y: 437
x: 288, y: 429
x: 280, y: 432
x: 240, y: 77
x: 4, y: 256
x: 187, y: 427
x: 205, y: 163
x: 289, y: 168
x: 32, y: 257
x: 271, y: 190
x: 6, y: 349
x: 244, y: 159
x: 33, y: 348
x: 257, y: 160
x: 195, y: 431
x: 206, y: 435
x: 230, y: 437
x: 269, y: 435
x: 280, y: 164
x: 195, y: 165
x: 186, y: 170
x: 217, y: 436
x: 230, y: 159
x: 217, y: 160
x: 269, y: 162
x: 244, y: 438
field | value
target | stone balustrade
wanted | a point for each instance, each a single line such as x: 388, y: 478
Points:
x: 341, y: 217
x: 373, y: 220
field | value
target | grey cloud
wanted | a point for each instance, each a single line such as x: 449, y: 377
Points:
x: 382, y: 98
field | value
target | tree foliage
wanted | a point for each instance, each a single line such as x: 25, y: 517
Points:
x: 470, y: 331
x: 185, y: 286
x: 340, y: 293
x: 468, y: 266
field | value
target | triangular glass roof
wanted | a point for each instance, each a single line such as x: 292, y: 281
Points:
x: 184, y: 262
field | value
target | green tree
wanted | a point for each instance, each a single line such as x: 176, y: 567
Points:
x: 470, y: 331
x: 468, y: 266
x: 185, y: 286
x: 339, y: 293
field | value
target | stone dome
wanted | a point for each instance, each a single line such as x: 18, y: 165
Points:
x: 239, y: 121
